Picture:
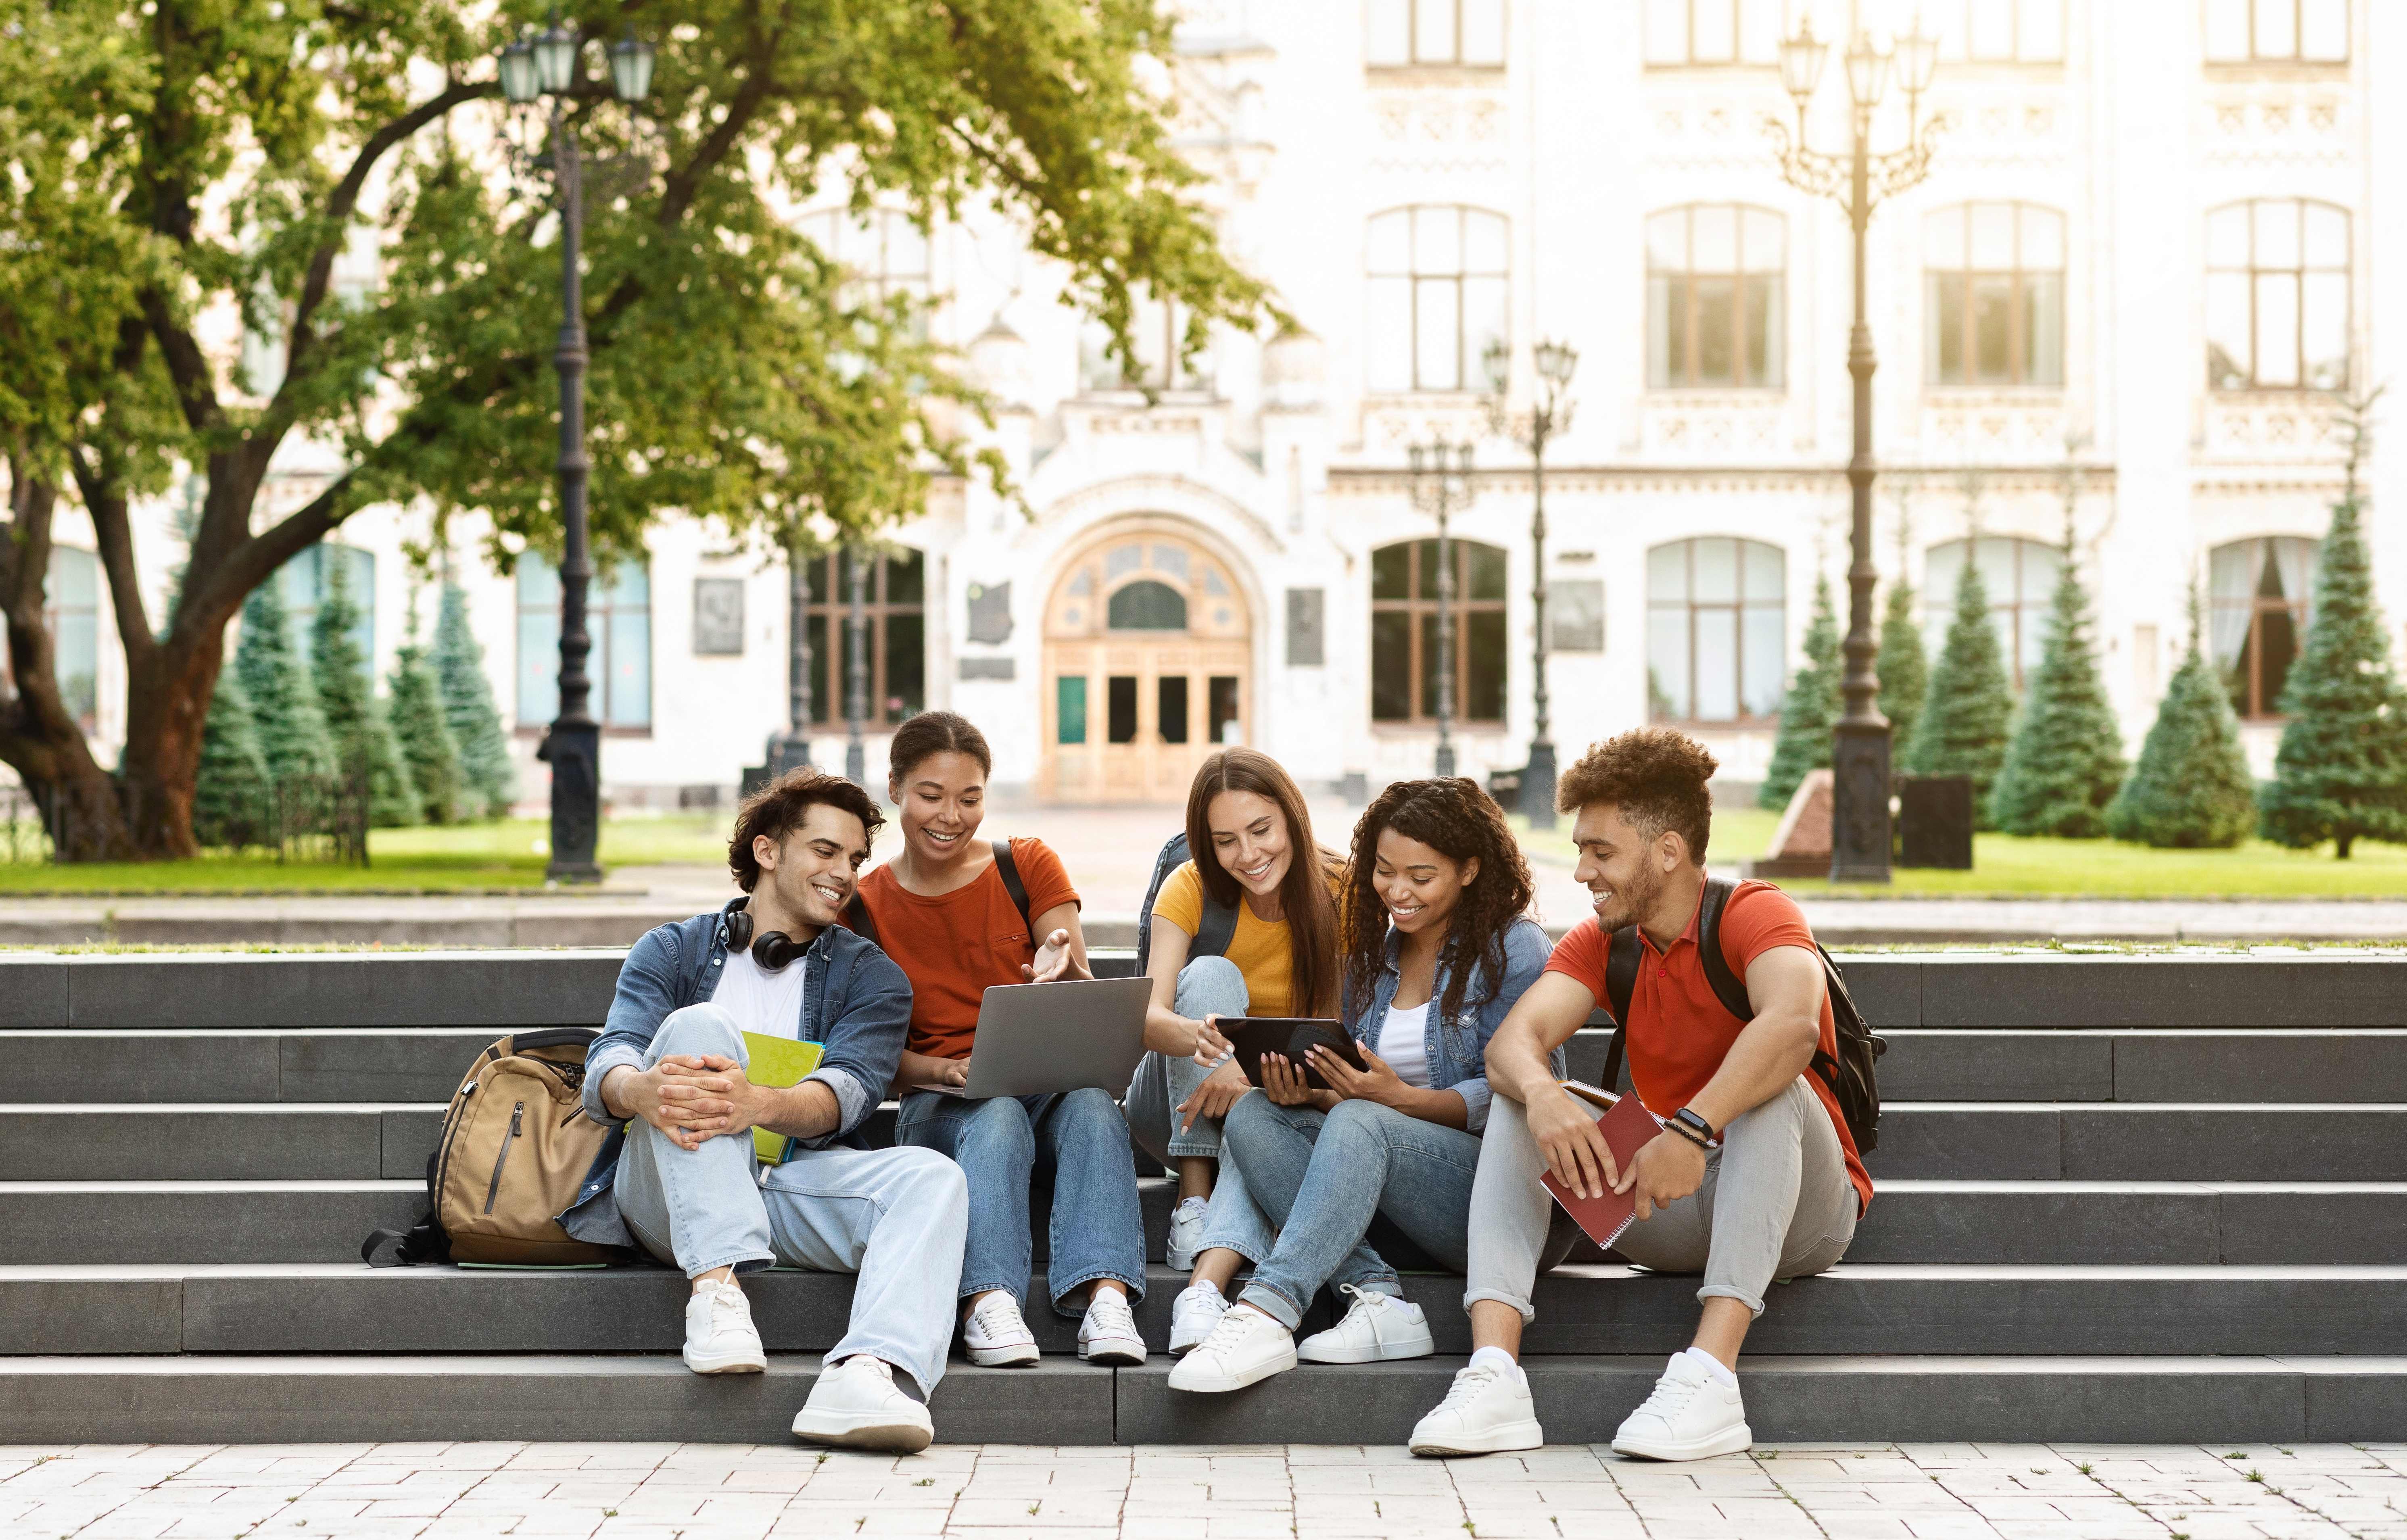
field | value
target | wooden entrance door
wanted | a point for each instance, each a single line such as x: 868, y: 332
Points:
x: 1148, y: 667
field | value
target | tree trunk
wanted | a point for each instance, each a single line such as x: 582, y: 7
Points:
x: 2340, y: 846
x: 39, y: 738
x: 166, y: 707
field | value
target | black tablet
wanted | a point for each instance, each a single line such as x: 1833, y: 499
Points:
x: 1291, y: 1036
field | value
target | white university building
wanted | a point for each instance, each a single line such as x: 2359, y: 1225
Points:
x: 2156, y: 239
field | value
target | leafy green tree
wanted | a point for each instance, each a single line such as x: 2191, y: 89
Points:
x: 490, y: 781
x: 232, y: 796
x: 2065, y: 761
x: 1811, y: 710
x: 276, y: 679
x: 191, y: 158
x: 427, y: 746
x: 2191, y: 789
x: 1962, y: 730
x: 2341, y: 773
x: 355, y: 719
x: 1904, y: 670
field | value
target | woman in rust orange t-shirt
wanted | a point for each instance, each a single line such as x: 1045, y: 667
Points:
x: 943, y: 914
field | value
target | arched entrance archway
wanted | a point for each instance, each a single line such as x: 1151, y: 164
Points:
x: 1148, y: 665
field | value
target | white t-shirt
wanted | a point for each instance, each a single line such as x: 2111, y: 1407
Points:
x: 1404, y: 1042
x: 770, y: 1003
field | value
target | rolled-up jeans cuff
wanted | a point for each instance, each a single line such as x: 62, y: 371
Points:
x: 1515, y: 1301
x: 1754, y: 1303
x: 1270, y: 1302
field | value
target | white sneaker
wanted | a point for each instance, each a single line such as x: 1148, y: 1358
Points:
x: 857, y: 1406
x: 720, y: 1336
x: 996, y: 1335
x: 1692, y: 1415
x: 1109, y: 1335
x: 1486, y: 1410
x: 1186, y: 1234
x: 1378, y: 1327
x: 1197, y: 1309
x: 1247, y: 1345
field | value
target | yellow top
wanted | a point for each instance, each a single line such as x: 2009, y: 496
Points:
x: 1262, y: 949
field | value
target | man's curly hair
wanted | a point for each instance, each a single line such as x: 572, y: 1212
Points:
x: 1656, y: 775
x: 1459, y: 821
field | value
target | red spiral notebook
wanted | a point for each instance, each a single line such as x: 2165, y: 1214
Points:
x: 1627, y: 1126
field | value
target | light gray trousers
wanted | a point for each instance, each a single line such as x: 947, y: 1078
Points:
x: 1775, y: 1204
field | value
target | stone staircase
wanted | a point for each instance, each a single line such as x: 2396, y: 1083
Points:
x: 2123, y: 1199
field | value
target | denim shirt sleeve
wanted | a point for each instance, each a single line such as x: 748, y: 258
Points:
x: 1525, y: 959
x: 864, y: 1035
x: 648, y: 991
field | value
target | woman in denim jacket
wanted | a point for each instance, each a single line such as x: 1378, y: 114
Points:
x: 1437, y: 947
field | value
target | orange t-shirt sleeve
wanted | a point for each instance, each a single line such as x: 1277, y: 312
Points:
x: 1042, y: 874
x: 1580, y: 956
x: 1757, y: 919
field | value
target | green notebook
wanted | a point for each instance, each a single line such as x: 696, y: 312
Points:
x: 779, y: 1062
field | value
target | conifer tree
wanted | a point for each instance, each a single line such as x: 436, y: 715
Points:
x: 2341, y: 773
x: 276, y: 680
x: 2191, y: 789
x: 1964, y: 727
x: 2065, y: 761
x: 1904, y: 670
x: 1811, y: 710
x: 490, y: 780
x: 427, y: 746
x: 230, y: 800
x: 363, y: 737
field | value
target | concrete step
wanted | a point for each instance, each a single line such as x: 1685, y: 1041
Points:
x: 599, y: 1397
x: 1855, y: 1308
x: 2196, y: 1223
x: 425, y: 1063
x: 2180, y: 1142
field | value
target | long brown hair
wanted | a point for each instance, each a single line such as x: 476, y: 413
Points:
x: 1459, y: 821
x: 1304, y: 899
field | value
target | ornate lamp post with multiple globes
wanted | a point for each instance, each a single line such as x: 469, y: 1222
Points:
x: 552, y: 65
x: 1549, y: 414
x: 1858, y: 179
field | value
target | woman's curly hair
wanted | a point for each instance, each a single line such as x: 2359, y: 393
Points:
x: 1459, y: 820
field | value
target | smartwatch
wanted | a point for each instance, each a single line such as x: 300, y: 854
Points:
x: 1695, y: 1128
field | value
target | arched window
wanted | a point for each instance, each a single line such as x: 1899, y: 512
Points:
x: 1714, y: 281
x: 2244, y: 32
x: 894, y: 612
x: 2019, y: 576
x: 1997, y: 32
x: 71, y: 614
x: 2260, y: 597
x: 1716, y: 630
x: 619, y: 618
x: 1705, y: 33
x: 1146, y: 606
x: 1993, y: 278
x: 883, y: 253
x: 1158, y: 327
x: 1403, y: 631
x: 2277, y: 295
x: 1437, y: 284
x: 1468, y: 33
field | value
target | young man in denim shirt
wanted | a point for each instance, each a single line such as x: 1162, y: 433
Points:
x: 684, y: 1183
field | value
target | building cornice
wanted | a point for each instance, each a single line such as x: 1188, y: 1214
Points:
x: 1394, y: 481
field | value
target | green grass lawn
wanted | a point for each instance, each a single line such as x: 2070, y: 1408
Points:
x: 462, y: 858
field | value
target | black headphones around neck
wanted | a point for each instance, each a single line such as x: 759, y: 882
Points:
x: 773, y: 950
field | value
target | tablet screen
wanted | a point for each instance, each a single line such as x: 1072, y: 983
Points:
x: 1292, y: 1037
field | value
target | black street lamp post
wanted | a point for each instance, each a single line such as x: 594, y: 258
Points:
x: 552, y: 65
x: 1858, y: 180
x: 1549, y: 413
x: 1441, y: 475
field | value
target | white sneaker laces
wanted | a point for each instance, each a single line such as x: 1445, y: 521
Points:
x: 986, y: 1317
x: 1365, y: 1300
x: 1109, y: 1312
x: 1469, y: 1381
x: 1671, y: 1396
x: 1229, y: 1330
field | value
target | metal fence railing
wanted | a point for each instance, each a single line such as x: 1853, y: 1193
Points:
x: 316, y: 820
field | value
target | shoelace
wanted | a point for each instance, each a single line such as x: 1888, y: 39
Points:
x: 1670, y: 1396
x: 985, y: 1313
x: 1109, y: 1312
x: 1232, y: 1326
x: 1469, y: 1381
x: 727, y: 1308
x: 1365, y: 1299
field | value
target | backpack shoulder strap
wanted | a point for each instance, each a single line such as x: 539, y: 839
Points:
x: 1622, y: 959
x: 855, y: 914
x: 1215, y: 931
x: 1009, y: 869
x: 1728, y: 987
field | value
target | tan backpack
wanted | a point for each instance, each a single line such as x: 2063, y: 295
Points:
x: 516, y: 1145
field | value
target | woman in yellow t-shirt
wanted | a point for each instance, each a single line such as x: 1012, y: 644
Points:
x: 1254, y: 850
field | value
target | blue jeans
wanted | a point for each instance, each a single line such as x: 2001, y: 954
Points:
x: 1098, y: 1230
x: 1209, y: 985
x: 896, y: 1217
x: 1319, y: 1177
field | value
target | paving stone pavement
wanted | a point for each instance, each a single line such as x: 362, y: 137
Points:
x: 717, y: 1491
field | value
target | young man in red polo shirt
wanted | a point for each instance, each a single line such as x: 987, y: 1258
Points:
x: 1754, y: 1177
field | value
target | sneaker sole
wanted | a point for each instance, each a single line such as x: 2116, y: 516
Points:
x: 1124, y: 1352
x: 1221, y: 1384
x: 854, y: 1432
x: 729, y: 1363
x: 1019, y: 1356
x: 1177, y: 1261
x: 1728, y: 1441
x: 1512, y: 1436
x: 1381, y: 1352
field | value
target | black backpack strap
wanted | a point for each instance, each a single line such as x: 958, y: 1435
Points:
x: 1728, y: 987
x: 1623, y: 956
x: 1215, y: 931
x: 1008, y: 870
x: 1171, y: 857
x: 418, y: 1245
x: 855, y: 914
